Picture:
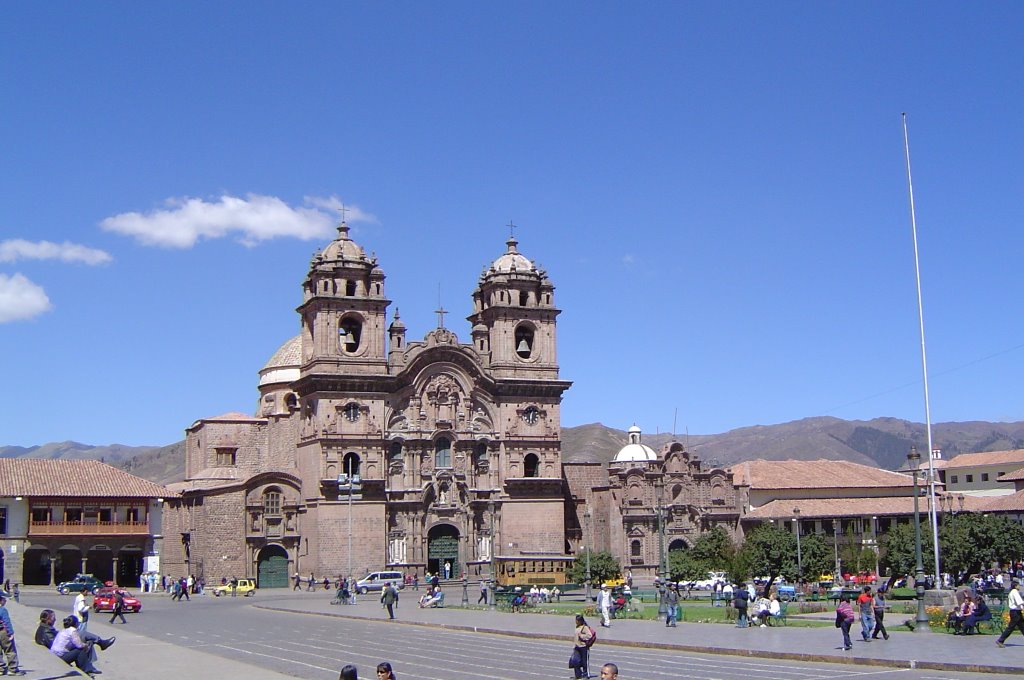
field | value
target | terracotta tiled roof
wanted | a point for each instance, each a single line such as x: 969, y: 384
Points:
x: 1011, y: 503
x: 987, y: 458
x: 1014, y: 476
x: 815, y: 508
x: 75, y: 478
x: 814, y: 474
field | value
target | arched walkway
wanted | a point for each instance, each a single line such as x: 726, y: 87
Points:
x: 678, y: 544
x: 68, y: 564
x: 272, y: 567
x: 443, y: 549
x: 129, y: 567
x: 36, y: 567
x: 99, y: 562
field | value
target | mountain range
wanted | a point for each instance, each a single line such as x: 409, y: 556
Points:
x: 881, y: 442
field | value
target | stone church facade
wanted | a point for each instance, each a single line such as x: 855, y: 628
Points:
x: 369, y: 451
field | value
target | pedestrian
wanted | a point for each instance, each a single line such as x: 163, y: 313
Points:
x: 118, y: 608
x: 1016, y: 604
x: 389, y: 598
x: 739, y: 603
x: 183, y: 589
x: 81, y: 610
x: 311, y: 584
x: 46, y: 634
x: 672, y: 605
x: 298, y: 581
x: 879, y: 606
x: 349, y: 672
x: 8, y: 648
x: 71, y: 648
x: 384, y: 671
x: 483, y: 592
x: 609, y: 671
x: 584, y: 639
x: 447, y: 570
x: 844, y: 620
x: 866, y: 605
x: 604, y: 605
x: 416, y: 581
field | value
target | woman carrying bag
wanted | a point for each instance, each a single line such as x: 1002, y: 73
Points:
x: 584, y: 640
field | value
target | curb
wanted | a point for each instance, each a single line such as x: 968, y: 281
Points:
x: 909, y: 664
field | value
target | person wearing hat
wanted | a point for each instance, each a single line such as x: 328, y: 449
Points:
x: 1015, y: 602
x: 604, y: 604
x: 8, y: 650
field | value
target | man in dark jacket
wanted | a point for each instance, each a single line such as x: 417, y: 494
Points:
x: 46, y: 633
x: 740, y: 602
x: 389, y: 598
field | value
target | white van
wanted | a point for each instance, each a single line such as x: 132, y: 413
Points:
x: 375, y: 580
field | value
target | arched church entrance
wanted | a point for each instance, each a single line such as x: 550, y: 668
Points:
x: 129, y: 566
x: 272, y: 567
x: 443, y: 551
x: 35, y: 567
x: 678, y: 544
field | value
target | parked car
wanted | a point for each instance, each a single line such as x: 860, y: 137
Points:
x: 103, y: 600
x: 242, y: 586
x: 86, y: 583
x: 375, y: 580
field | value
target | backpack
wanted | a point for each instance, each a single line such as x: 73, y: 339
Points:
x: 593, y: 638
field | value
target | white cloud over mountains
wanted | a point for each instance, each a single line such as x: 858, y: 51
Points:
x: 16, y: 249
x: 252, y: 219
x: 21, y: 299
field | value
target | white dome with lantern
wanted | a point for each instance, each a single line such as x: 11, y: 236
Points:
x: 634, y: 451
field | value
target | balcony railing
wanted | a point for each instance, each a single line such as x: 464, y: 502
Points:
x: 88, y: 528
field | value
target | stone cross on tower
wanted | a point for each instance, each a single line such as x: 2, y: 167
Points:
x: 440, y: 311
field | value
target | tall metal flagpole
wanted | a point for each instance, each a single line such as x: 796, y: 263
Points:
x: 933, y: 515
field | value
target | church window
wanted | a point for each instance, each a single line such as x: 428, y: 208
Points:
x: 524, y: 341
x: 524, y: 298
x: 531, y: 465
x: 395, y: 452
x: 350, y: 288
x: 226, y: 457
x: 443, y: 453
x: 352, y: 412
x: 349, y: 334
x: 635, y: 548
x: 480, y: 451
x: 272, y: 502
x: 351, y: 465
x: 291, y: 401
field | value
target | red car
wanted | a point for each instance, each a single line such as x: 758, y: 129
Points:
x: 103, y: 600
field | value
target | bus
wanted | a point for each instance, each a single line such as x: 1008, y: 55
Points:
x: 529, y: 570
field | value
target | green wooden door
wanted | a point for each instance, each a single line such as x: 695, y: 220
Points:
x: 444, y: 549
x: 273, y: 569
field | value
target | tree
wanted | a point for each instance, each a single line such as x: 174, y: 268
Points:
x: 713, y: 549
x: 772, y: 553
x: 971, y: 542
x: 603, y: 567
x: 816, y: 557
x: 683, y: 565
x: 899, y: 552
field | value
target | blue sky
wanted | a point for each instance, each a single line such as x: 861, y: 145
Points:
x: 717, y: 190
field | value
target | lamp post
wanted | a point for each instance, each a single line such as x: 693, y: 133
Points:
x: 921, y: 622
x: 837, y: 576
x: 799, y: 554
x: 659, y: 486
x: 492, y: 595
x: 586, y: 528
x: 350, y: 482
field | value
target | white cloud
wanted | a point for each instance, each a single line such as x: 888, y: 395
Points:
x: 629, y: 260
x: 251, y: 220
x: 21, y: 299
x: 20, y: 249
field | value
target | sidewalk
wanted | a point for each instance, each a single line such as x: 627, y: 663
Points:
x: 132, y: 656
x: 904, y: 649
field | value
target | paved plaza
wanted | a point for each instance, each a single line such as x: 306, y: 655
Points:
x: 283, y: 634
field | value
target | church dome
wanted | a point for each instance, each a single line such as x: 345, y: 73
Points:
x: 342, y: 248
x: 284, y: 365
x: 512, y: 260
x: 635, y: 451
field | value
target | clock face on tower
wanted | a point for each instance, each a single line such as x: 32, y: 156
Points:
x: 531, y: 415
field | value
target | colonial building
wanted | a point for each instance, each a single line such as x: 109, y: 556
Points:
x: 646, y: 504
x: 370, y: 451
x: 59, y: 518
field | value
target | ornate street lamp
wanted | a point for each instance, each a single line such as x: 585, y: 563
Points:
x: 587, y: 547
x: 921, y: 622
x: 799, y: 554
x: 659, y: 487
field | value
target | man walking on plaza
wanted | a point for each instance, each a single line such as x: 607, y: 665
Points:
x: 866, y: 603
x: 389, y: 598
x: 604, y: 604
x: 672, y: 605
x: 8, y: 650
x: 81, y: 610
x: 1016, y: 604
